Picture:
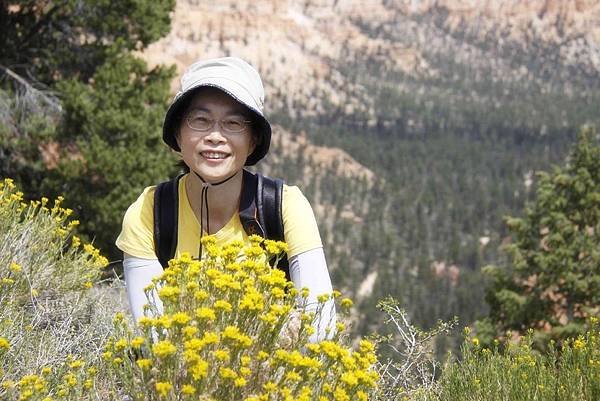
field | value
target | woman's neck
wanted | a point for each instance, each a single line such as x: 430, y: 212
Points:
x: 223, y: 200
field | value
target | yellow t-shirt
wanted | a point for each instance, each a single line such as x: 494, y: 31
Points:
x: 137, y: 234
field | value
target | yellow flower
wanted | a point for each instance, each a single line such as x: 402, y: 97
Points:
x: 323, y: 298
x: 340, y: 395
x: 239, y: 382
x: 210, y: 337
x: 579, y: 343
x: 227, y: 373
x: 4, y: 344
x: 366, y: 346
x: 206, y: 313
x: 163, y: 388
x: 253, y: 251
x: 199, y: 370
x: 70, y: 379
x: 169, y: 293
x: 121, y: 344
x: 200, y: 295
x: 181, y: 318
x: 221, y: 355
x: 76, y: 364
x: 189, y: 331
x: 224, y: 305
x: 346, y: 303
x: 350, y: 379
x: 144, y: 364
x: 208, y: 240
x: 8, y: 384
x: 137, y: 342
x: 293, y: 376
x: 163, y: 349
x: 233, y: 333
x: 252, y: 300
x: 145, y: 322
x: 475, y: 341
x: 188, y: 389
x: 361, y: 396
x: 165, y: 321
x: 15, y: 267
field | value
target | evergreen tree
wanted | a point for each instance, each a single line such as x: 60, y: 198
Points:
x: 553, y: 282
x: 80, y: 115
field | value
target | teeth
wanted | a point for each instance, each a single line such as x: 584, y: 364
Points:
x: 214, y: 155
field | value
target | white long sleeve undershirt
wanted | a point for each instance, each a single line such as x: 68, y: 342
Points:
x: 307, y: 270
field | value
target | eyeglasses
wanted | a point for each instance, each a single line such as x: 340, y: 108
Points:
x: 199, y: 121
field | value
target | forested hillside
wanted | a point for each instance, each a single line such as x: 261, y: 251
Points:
x: 452, y: 105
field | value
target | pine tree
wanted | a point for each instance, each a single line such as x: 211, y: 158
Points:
x: 80, y: 115
x: 553, y: 282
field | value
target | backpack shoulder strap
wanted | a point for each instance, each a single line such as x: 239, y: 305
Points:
x: 269, y: 200
x: 248, y: 209
x: 261, y: 210
x: 166, y: 213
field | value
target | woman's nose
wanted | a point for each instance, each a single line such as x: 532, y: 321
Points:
x: 215, y: 135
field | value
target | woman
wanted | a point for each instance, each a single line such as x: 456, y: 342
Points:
x: 216, y: 124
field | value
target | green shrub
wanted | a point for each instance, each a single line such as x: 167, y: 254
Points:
x: 53, y: 316
x: 517, y: 372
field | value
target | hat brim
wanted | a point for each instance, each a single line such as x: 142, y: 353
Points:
x: 261, y: 128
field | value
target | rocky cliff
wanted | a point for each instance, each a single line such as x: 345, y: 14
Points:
x: 302, y: 48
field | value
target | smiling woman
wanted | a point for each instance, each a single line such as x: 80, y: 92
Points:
x: 216, y: 123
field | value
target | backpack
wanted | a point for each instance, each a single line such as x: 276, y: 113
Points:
x: 260, y: 213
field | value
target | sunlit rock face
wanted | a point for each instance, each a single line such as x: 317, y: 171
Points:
x: 302, y: 48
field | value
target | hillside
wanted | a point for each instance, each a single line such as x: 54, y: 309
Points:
x: 448, y: 107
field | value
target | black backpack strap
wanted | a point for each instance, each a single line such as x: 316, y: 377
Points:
x: 269, y: 201
x: 270, y: 215
x: 261, y: 210
x: 248, y: 210
x: 166, y: 213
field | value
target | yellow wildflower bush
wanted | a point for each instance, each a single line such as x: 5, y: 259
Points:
x: 569, y: 371
x: 230, y: 328
x: 47, y: 315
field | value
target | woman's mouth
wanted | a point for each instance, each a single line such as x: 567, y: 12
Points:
x: 211, y: 155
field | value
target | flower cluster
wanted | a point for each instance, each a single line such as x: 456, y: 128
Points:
x: 230, y: 329
x: 69, y: 380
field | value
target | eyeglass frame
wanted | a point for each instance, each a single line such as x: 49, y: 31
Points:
x: 247, y: 124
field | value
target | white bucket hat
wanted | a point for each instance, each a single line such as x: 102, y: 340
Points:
x: 236, y: 78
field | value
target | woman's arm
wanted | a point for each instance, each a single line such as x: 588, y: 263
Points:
x: 309, y: 269
x: 138, y: 275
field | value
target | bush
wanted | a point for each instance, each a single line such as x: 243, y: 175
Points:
x: 227, y: 328
x: 518, y: 372
x: 53, y: 317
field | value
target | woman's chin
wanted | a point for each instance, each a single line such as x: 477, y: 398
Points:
x: 215, y: 172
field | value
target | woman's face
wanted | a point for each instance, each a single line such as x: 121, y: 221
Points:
x: 215, y: 154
